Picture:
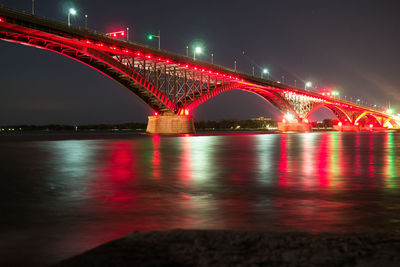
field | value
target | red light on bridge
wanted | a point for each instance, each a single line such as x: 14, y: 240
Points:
x: 186, y: 112
x: 340, y: 123
x: 356, y: 124
x: 371, y: 126
x: 305, y: 120
x: 1, y: 20
x: 155, y: 114
x: 138, y: 53
x: 284, y: 121
x: 167, y: 61
x: 117, y: 34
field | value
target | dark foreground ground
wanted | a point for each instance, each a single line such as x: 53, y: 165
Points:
x: 228, y: 248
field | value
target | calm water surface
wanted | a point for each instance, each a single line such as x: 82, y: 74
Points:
x: 61, y: 195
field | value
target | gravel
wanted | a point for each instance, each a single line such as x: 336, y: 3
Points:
x: 231, y: 248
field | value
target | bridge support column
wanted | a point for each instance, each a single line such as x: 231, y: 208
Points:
x: 170, y: 124
x: 294, y: 127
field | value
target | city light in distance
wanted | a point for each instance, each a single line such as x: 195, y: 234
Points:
x: 198, y: 50
x: 308, y: 84
x: 265, y: 71
x: 390, y: 111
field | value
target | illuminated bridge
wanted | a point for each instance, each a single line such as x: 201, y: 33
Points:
x: 173, y: 85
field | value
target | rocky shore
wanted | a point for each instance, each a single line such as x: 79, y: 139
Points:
x: 229, y: 248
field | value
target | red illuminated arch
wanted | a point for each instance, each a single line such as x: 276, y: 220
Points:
x: 103, y: 63
x: 340, y: 113
x: 267, y: 94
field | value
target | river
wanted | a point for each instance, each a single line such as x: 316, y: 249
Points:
x: 64, y: 193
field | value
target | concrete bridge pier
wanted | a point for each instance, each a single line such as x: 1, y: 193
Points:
x: 294, y: 127
x: 170, y: 124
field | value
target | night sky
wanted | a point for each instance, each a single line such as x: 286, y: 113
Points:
x: 352, y: 46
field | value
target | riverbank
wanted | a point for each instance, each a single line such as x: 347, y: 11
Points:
x: 230, y: 248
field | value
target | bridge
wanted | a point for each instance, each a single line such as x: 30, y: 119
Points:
x: 174, y: 85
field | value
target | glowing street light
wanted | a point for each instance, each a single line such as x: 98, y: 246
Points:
x: 71, y: 11
x: 197, y: 50
x: 151, y: 36
x: 390, y: 111
x: 307, y: 84
x: 265, y: 71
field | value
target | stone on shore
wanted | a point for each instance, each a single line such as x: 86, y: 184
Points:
x: 230, y: 248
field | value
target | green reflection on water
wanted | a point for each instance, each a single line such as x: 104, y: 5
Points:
x: 334, y: 164
x: 390, y: 162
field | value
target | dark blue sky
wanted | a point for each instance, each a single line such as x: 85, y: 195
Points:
x: 350, y: 45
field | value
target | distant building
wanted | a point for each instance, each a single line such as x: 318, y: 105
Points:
x: 261, y: 119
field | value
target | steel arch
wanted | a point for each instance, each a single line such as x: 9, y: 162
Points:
x: 103, y: 63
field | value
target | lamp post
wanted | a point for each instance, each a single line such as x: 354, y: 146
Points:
x: 265, y: 71
x: 235, y: 64
x: 197, y: 50
x: 72, y: 12
x: 307, y: 84
x: 212, y: 58
x: 86, y: 17
x: 187, y: 51
x: 252, y: 70
x: 151, y: 36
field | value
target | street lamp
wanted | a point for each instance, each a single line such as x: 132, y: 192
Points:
x: 307, y: 84
x: 151, y: 36
x: 86, y: 17
x: 197, y: 50
x: 33, y: 7
x: 212, y: 58
x: 265, y: 71
x: 72, y: 12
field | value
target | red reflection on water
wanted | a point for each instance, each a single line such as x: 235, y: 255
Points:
x: 186, y: 170
x: 323, y: 161
x: 283, y: 163
x: 156, y: 156
x: 371, y: 159
x: 357, y: 164
x: 121, y: 161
